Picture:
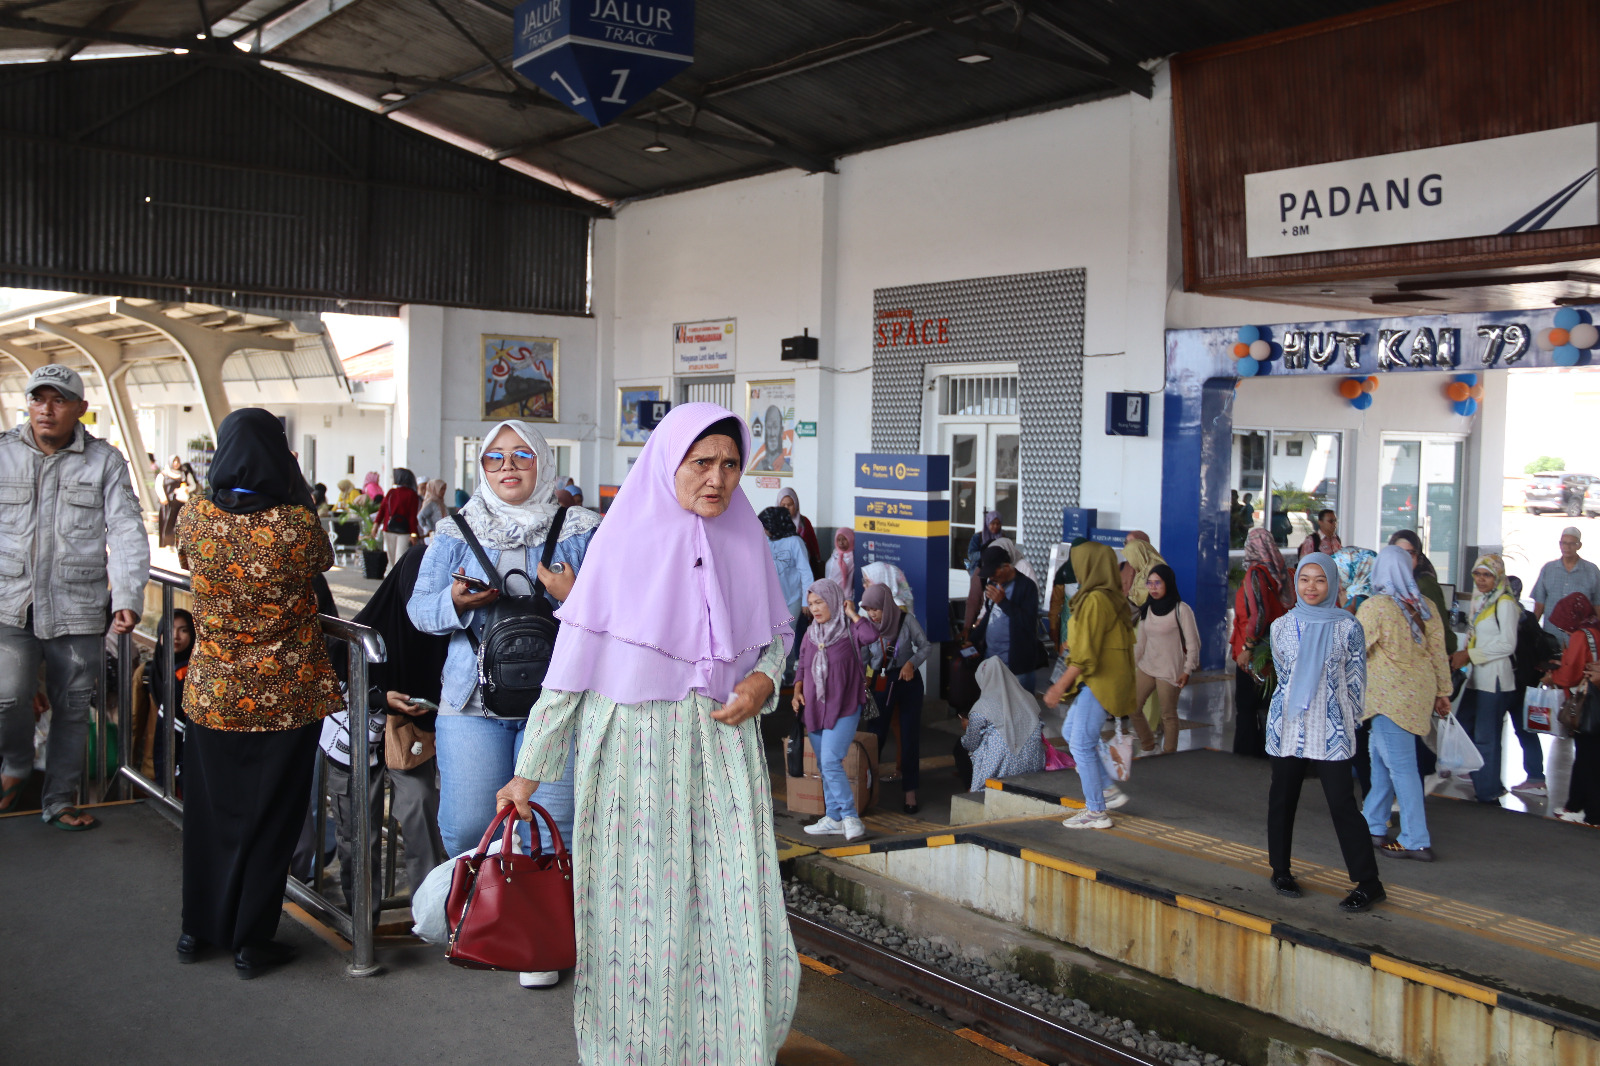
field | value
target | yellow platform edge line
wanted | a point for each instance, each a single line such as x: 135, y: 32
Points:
x: 326, y: 932
x: 847, y: 851
x: 994, y: 783
x: 820, y: 967
x: 1039, y: 858
x: 995, y: 1047
x: 1433, y: 979
x: 943, y: 840
x: 1224, y: 914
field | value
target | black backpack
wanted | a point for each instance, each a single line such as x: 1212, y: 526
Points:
x: 1535, y: 650
x: 519, y: 633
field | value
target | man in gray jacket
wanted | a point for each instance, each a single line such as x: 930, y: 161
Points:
x: 64, y: 494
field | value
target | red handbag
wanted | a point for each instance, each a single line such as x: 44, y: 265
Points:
x: 513, y: 912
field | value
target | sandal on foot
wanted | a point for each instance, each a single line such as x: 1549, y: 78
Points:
x: 8, y: 798
x: 68, y: 827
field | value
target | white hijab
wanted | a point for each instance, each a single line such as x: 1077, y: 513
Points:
x: 1011, y: 708
x: 504, y: 526
x: 894, y: 577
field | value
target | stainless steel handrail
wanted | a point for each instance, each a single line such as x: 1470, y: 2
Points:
x: 366, y: 646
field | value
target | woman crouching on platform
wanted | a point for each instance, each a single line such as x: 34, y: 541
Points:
x: 1320, y: 655
x: 258, y: 684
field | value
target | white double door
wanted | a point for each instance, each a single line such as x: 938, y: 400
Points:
x: 985, y: 475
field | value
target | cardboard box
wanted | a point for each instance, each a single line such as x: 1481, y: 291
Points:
x: 860, y: 764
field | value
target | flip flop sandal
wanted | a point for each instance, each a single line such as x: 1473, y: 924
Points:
x: 65, y: 827
x: 9, y: 794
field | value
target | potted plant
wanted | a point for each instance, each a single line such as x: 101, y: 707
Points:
x: 374, y: 560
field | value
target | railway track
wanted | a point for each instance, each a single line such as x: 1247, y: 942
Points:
x: 964, y: 1002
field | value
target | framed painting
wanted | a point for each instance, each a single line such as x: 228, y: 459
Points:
x: 769, y: 407
x: 629, y: 397
x: 520, y: 376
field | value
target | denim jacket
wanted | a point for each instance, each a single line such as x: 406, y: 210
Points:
x: 432, y: 612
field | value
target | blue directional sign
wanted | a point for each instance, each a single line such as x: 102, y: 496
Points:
x: 912, y: 473
x: 600, y: 57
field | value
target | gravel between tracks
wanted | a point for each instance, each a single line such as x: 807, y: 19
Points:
x: 1005, y: 983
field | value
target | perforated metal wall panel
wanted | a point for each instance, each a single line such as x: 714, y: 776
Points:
x: 1035, y: 320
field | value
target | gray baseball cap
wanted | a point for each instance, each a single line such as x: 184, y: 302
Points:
x: 65, y: 380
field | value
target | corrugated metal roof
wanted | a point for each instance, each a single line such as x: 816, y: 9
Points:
x: 797, y: 81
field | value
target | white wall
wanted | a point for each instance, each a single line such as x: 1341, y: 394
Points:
x: 1411, y: 402
x: 438, y: 383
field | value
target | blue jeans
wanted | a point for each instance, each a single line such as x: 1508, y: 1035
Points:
x: 1394, y: 773
x: 477, y: 756
x: 1085, y: 719
x: 831, y: 746
x: 1483, y: 715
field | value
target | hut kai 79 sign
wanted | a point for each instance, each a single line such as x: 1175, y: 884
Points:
x: 600, y: 57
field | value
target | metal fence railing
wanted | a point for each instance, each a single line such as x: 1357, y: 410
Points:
x: 353, y: 920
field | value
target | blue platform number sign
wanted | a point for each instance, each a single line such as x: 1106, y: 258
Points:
x: 600, y: 57
x: 1127, y: 414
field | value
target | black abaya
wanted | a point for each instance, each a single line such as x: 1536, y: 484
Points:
x: 245, y: 798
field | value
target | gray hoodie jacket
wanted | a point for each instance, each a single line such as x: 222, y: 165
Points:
x: 57, y: 513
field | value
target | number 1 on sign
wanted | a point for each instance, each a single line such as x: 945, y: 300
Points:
x: 556, y: 77
x: 616, y: 92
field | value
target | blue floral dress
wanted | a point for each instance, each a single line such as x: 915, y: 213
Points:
x: 1327, y: 730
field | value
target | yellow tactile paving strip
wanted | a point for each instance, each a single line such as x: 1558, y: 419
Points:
x: 1549, y: 940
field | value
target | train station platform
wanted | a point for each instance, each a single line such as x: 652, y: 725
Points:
x: 88, y: 974
x: 1493, y: 949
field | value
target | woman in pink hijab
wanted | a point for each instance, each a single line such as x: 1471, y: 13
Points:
x: 842, y: 563
x: 657, y: 677
x: 372, y: 486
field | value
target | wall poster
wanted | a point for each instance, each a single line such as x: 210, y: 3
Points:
x: 519, y: 377
x: 704, y: 347
x: 769, y: 407
x: 629, y: 397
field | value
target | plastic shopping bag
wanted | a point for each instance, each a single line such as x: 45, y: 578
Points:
x: 428, y: 899
x: 1116, y: 754
x: 1457, y: 753
x: 1055, y: 758
x: 1541, y: 709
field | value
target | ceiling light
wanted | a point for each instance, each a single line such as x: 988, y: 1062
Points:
x: 656, y: 146
x: 180, y: 51
x: 199, y: 36
x: 392, y: 95
x: 975, y: 57
x: 1327, y: 292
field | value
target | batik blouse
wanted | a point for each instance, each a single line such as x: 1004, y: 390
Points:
x: 259, y: 662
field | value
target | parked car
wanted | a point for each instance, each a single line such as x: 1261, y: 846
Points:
x: 1571, y: 493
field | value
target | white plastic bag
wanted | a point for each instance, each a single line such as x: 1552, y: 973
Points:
x: 1541, y: 711
x: 1116, y: 754
x: 428, y: 899
x: 1457, y: 753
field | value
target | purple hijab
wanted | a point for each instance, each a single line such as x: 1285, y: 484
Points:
x: 666, y: 601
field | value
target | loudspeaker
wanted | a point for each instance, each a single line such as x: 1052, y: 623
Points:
x: 801, y: 347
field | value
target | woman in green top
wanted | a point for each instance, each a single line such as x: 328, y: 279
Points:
x: 1099, y: 652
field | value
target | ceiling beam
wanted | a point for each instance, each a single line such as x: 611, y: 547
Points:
x: 229, y: 54
x: 108, y: 17
x: 1130, y: 76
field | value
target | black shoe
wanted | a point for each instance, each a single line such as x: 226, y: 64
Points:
x: 911, y: 808
x: 188, y: 948
x: 1362, y: 899
x: 1287, y: 886
x: 1400, y: 852
x: 1378, y: 841
x: 253, y: 960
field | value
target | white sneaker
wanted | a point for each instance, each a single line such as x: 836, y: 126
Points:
x: 1087, y: 819
x: 539, y: 978
x: 1115, y: 798
x: 1528, y: 788
x: 853, y: 829
x: 827, y: 827
x: 1568, y: 816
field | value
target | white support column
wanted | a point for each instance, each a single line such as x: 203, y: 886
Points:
x: 205, y: 351
x: 107, y: 358
x: 29, y: 359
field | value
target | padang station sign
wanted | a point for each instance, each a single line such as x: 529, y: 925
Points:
x: 1504, y: 185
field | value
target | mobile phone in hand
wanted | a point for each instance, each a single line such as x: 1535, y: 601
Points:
x: 473, y: 584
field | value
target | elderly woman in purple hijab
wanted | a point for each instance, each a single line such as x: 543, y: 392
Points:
x: 684, y: 952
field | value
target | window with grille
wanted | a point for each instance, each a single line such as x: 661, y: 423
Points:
x: 978, y: 394
x: 708, y: 390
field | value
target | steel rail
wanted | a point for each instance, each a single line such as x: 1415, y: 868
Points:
x: 963, y: 1001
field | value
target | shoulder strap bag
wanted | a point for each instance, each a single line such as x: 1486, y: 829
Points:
x: 519, y: 632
